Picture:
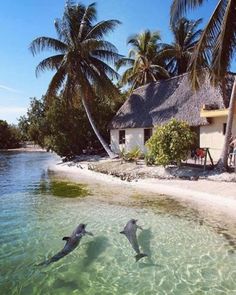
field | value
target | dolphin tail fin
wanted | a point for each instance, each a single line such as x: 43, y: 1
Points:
x: 46, y: 262
x: 139, y: 256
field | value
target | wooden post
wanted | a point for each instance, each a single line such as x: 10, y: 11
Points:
x: 205, y: 158
x: 212, y: 163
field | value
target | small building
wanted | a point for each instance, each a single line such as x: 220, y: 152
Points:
x: 156, y: 103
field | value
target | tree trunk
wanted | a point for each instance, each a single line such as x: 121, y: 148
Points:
x: 102, y: 141
x: 222, y: 164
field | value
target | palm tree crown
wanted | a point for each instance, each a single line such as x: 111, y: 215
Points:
x: 81, y: 63
x: 82, y: 53
x: 178, y: 54
x: 217, y: 43
x: 144, y: 63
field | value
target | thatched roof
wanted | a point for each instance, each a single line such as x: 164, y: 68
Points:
x: 158, y: 102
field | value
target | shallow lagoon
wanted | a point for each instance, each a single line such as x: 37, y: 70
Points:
x: 188, y: 254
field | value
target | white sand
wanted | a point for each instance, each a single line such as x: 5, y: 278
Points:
x: 206, y: 195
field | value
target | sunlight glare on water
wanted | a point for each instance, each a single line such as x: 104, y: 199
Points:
x: 184, y: 256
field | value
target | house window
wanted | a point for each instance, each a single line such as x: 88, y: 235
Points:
x: 147, y: 134
x: 121, y: 136
x: 224, y: 128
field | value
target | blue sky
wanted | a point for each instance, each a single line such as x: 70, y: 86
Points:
x: 22, y: 21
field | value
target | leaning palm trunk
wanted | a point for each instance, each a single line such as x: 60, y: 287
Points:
x: 102, y: 141
x: 222, y: 164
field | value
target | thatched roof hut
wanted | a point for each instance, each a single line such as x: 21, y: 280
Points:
x: 158, y: 102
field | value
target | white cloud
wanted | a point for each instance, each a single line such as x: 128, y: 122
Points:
x: 11, y: 114
x: 3, y: 87
x: 12, y: 110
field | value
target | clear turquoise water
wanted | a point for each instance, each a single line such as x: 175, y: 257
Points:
x: 186, y: 254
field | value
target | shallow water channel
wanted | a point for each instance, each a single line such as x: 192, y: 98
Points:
x: 187, y: 252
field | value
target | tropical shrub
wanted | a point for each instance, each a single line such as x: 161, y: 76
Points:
x: 170, y: 143
x: 9, y: 136
x: 132, y: 155
x: 64, y: 128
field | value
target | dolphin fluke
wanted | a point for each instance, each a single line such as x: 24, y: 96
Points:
x: 139, y: 256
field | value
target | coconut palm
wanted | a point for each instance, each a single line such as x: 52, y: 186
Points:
x: 179, y: 52
x: 144, y: 64
x: 217, y: 45
x: 81, y: 63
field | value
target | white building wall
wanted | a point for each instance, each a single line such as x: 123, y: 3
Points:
x: 134, y: 137
x: 212, y: 136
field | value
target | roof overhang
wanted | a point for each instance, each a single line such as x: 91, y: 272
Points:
x: 215, y: 113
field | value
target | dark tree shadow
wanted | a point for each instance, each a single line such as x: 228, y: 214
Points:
x: 94, y: 249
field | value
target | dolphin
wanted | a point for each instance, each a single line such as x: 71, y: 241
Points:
x: 71, y: 243
x: 130, y: 233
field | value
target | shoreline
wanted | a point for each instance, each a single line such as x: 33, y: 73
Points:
x: 24, y: 149
x: 205, y: 195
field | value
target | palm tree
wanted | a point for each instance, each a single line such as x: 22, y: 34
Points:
x: 81, y: 63
x: 180, y: 51
x: 144, y: 64
x: 217, y: 45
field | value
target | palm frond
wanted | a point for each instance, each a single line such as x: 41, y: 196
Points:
x: 89, y: 45
x: 202, y: 54
x: 62, y: 31
x: 41, y: 43
x: 104, y: 68
x: 123, y: 62
x: 126, y: 76
x: 160, y: 71
x: 106, y: 55
x: 180, y: 7
x: 56, y: 83
x: 50, y: 63
x: 102, y: 28
x: 225, y: 45
x: 89, y: 15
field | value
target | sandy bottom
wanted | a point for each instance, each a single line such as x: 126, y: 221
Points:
x: 209, y: 197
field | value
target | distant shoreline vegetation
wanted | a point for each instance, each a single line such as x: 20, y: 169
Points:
x: 10, y: 136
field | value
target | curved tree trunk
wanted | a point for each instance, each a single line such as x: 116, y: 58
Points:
x: 222, y: 164
x: 100, y: 138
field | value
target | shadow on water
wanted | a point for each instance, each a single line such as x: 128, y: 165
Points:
x: 144, y: 240
x: 94, y: 249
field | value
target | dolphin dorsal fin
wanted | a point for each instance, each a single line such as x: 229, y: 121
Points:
x: 65, y: 238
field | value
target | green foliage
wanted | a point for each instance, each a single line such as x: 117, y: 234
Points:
x: 33, y: 126
x: 63, y: 127
x: 143, y: 64
x: 178, y: 54
x: 170, y: 143
x: 132, y: 155
x: 9, y: 136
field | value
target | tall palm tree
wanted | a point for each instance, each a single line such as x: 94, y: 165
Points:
x: 81, y: 63
x: 179, y: 52
x: 217, y: 45
x: 144, y: 64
